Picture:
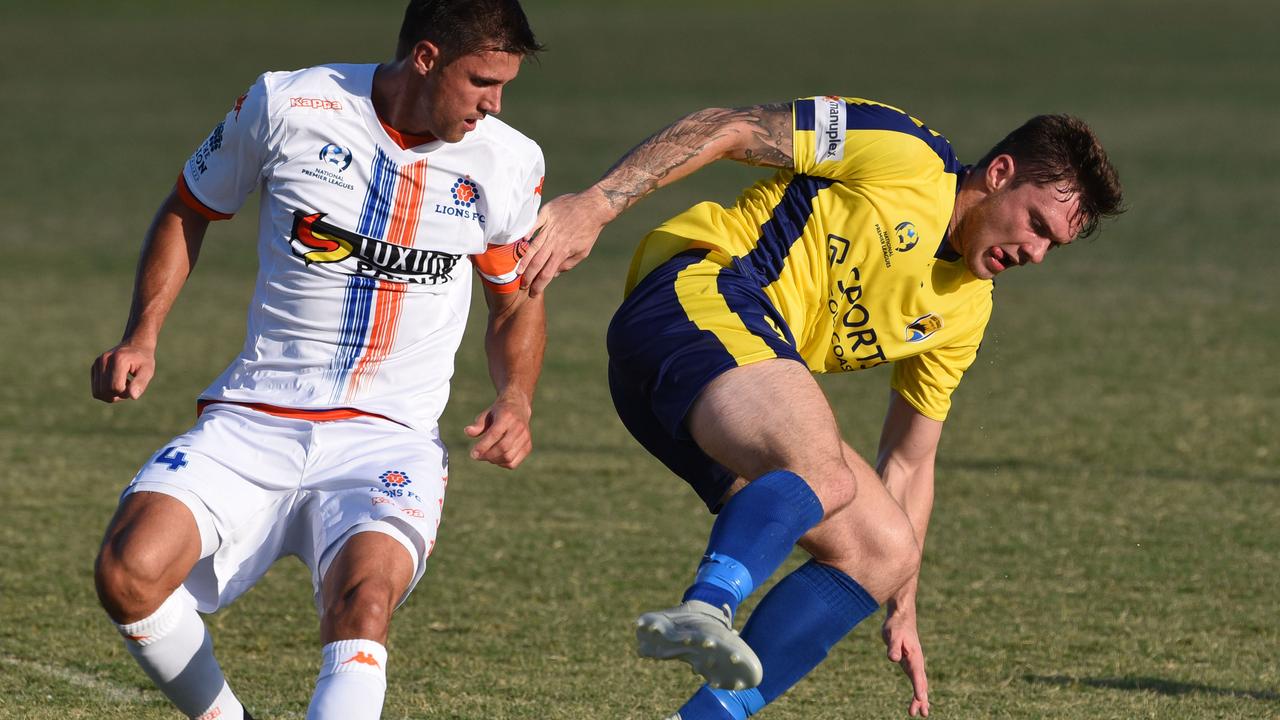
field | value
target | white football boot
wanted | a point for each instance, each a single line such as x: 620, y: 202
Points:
x: 703, y: 636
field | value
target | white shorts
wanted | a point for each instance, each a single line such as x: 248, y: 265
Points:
x: 262, y: 487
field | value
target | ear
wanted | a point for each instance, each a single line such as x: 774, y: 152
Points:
x: 1000, y: 172
x: 424, y: 57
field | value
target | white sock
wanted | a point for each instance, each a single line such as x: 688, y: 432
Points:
x: 352, y: 682
x: 175, y: 650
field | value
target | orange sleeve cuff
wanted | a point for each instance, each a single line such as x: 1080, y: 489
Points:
x: 497, y: 266
x: 191, y: 201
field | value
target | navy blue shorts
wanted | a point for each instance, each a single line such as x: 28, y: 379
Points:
x: 685, y: 323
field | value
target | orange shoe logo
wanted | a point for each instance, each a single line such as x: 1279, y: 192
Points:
x: 363, y: 658
x: 138, y: 638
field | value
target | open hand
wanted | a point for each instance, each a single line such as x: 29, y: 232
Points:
x: 902, y: 642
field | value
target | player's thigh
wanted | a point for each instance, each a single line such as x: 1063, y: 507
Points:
x: 772, y: 415
x: 700, y: 358
x: 374, y: 477
x: 236, y: 473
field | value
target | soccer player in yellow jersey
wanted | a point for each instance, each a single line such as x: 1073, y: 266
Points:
x: 871, y: 244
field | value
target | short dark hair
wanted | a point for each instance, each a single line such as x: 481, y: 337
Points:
x: 462, y: 27
x: 1061, y: 149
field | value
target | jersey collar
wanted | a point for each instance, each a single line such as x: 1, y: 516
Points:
x: 946, y: 252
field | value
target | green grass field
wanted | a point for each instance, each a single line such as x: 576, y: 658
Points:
x: 1105, y: 539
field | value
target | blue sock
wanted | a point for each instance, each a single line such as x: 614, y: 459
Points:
x: 752, y: 536
x: 791, y: 630
x: 798, y: 622
x: 708, y: 704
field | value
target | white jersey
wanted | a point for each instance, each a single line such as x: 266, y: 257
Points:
x: 364, y: 247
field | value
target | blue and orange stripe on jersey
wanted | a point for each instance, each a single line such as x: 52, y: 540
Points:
x: 372, y: 308
x: 389, y: 304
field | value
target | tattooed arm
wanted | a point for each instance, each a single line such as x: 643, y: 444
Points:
x: 759, y: 135
x: 568, y: 226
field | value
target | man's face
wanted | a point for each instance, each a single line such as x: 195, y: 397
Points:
x: 1015, y: 223
x: 459, y: 94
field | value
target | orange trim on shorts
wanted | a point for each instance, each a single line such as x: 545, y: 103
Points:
x: 327, y: 415
x: 191, y: 201
x: 406, y: 141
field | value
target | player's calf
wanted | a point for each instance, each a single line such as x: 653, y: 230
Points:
x: 175, y: 650
x: 352, y: 683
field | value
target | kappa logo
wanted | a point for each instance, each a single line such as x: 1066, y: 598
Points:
x: 465, y: 192
x: 362, y: 658
x: 907, y: 234
x: 315, y: 103
x: 336, y: 155
x: 923, y: 327
x: 239, y: 104
x: 317, y: 241
x: 394, y: 478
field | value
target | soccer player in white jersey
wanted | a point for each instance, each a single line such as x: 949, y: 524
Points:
x: 381, y: 187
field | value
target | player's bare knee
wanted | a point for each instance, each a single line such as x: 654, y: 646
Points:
x: 360, y: 611
x: 129, y: 587
x: 836, y: 487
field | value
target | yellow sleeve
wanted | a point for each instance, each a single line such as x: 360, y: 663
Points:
x: 927, y: 380
x: 853, y: 139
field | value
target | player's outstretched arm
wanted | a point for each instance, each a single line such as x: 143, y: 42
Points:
x: 169, y: 253
x: 514, y: 343
x: 908, y: 447
x: 568, y: 226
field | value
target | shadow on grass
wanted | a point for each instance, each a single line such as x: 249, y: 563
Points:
x: 1150, y: 684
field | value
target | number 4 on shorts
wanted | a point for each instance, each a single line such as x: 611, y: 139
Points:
x: 173, y: 458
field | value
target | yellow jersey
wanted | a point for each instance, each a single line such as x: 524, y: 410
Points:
x: 850, y: 247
